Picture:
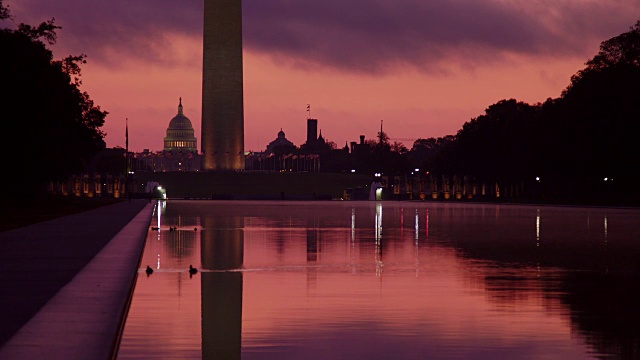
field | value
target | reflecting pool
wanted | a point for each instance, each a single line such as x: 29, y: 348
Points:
x: 386, y: 280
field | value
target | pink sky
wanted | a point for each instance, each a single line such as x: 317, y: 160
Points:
x: 424, y: 67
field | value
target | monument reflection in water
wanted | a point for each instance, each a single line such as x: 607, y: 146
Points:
x: 222, y: 252
x: 413, y: 280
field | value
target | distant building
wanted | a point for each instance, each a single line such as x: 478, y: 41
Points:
x: 312, y: 131
x: 180, y: 134
x: 280, y: 142
x: 314, y: 141
x: 357, y: 146
x: 164, y: 161
x: 180, y: 149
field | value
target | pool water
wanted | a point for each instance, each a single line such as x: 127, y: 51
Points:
x: 386, y: 280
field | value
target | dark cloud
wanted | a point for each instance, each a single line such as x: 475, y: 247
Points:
x: 109, y: 31
x: 368, y: 36
x: 376, y: 35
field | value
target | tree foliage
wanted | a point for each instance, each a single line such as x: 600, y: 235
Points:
x: 623, y: 49
x: 55, y: 126
x: 46, y: 31
x: 601, y: 109
x: 4, y: 12
x: 582, y: 137
x: 497, y: 143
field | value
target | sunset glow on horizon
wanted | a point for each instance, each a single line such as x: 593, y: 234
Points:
x: 425, y: 68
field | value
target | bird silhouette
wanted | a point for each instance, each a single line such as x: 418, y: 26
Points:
x: 192, y: 270
x: 149, y: 270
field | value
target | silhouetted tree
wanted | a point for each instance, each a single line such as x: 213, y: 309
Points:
x: 377, y: 156
x: 498, y: 143
x: 108, y: 161
x: 426, y: 153
x: 399, y: 147
x: 602, y: 108
x: 572, y: 142
x: 4, y: 12
x: 383, y: 141
x: 623, y: 49
x: 55, y: 126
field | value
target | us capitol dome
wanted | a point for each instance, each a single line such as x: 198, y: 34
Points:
x: 180, y: 134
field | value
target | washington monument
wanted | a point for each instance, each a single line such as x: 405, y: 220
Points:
x: 222, y: 86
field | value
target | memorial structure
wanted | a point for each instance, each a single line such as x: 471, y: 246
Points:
x: 222, y: 87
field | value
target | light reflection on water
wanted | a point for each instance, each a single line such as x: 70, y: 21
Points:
x: 347, y: 280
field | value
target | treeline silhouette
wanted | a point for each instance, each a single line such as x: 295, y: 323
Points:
x: 580, y: 146
x: 54, y: 126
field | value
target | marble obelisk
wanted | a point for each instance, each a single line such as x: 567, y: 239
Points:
x: 222, y: 87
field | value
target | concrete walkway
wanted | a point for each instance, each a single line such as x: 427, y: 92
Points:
x: 65, y: 283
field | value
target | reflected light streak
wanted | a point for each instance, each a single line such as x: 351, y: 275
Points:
x: 158, y: 213
x: 606, y: 228
x: 417, y: 226
x: 378, y: 222
x: 353, y: 241
x: 402, y: 223
x: 417, y: 248
x: 538, y: 228
x: 378, y: 260
x: 426, y: 225
x: 378, y: 257
x: 353, y: 225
